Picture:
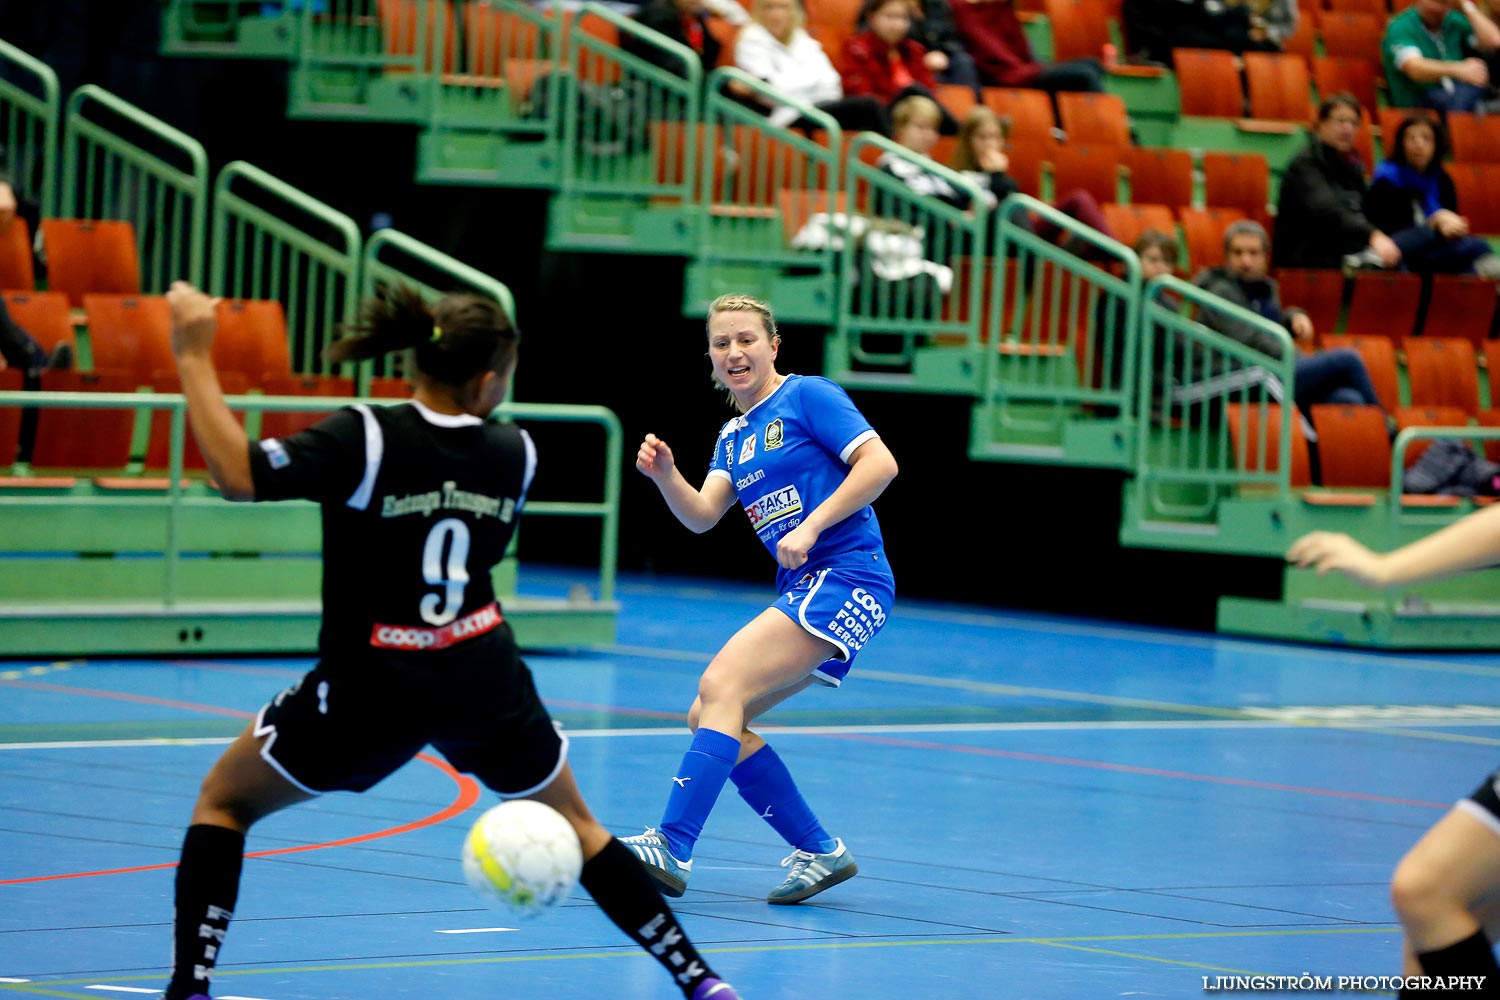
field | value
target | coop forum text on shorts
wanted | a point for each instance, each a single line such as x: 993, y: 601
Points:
x: 1309, y: 983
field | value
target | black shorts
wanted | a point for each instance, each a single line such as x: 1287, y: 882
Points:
x: 1484, y: 803
x: 349, y: 723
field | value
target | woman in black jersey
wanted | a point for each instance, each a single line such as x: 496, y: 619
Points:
x: 418, y: 504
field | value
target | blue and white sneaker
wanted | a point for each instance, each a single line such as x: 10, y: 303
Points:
x: 670, y: 874
x: 812, y: 873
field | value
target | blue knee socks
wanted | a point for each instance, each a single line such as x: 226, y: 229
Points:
x: 695, y: 788
x: 765, y: 783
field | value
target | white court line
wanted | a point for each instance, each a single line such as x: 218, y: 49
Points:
x: 674, y: 732
x: 7, y: 979
x: 122, y: 989
x: 233, y: 997
x: 465, y: 930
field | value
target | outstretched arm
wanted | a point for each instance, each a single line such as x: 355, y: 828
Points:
x: 220, y: 437
x: 698, y: 509
x: 871, y: 469
x: 1467, y: 544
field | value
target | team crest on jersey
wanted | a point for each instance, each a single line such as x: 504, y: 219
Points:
x: 747, y: 449
x: 774, y: 431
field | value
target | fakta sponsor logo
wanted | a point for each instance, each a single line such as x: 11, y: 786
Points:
x: 774, y: 506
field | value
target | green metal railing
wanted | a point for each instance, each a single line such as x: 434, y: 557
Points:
x: 30, y: 113
x: 227, y: 28
x: 504, y: 76
x: 272, y: 241
x: 1078, y: 304
x: 371, y: 59
x: 1210, y: 402
x: 121, y: 163
x: 910, y: 267
x: 629, y: 128
x: 760, y: 183
x: 172, y: 536
x: 392, y: 257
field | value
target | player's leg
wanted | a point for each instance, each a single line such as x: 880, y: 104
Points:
x: 240, y: 789
x: 628, y: 895
x: 1447, y: 889
x: 769, y: 654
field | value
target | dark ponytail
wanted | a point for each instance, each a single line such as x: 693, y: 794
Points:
x: 462, y: 335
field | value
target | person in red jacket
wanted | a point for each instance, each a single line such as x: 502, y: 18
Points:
x: 884, y: 62
x: 992, y: 33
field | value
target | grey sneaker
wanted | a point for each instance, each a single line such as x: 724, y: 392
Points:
x: 812, y: 873
x: 1488, y: 266
x: 61, y: 358
x: 1365, y: 260
x: 670, y: 874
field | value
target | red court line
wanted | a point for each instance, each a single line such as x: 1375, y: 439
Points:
x: 1100, y: 765
x: 468, y: 788
x: 142, y: 699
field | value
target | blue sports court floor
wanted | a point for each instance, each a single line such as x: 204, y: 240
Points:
x: 1041, y: 808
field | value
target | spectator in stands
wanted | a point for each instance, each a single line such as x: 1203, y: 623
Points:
x: 915, y: 121
x: 1413, y: 199
x: 1336, y: 376
x: 683, y: 21
x: 1320, y: 215
x: 992, y: 33
x: 980, y: 156
x: 777, y: 49
x: 1153, y: 28
x: 935, y: 29
x: 19, y: 350
x: 1158, y: 253
x: 885, y: 62
x: 1427, y: 51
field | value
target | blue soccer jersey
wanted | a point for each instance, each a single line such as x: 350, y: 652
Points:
x: 788, y: 454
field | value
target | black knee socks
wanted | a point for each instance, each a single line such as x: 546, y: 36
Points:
x: 208, y: 883
x: 1472, y: 958
x: 626, y: 894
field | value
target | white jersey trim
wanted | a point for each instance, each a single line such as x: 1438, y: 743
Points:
x: 721, y: 474
x: 562, y: 758
x: 852, y: 446
x: 269, y: 732
x: 843, y: 651
x: 1480, y: 813
x: 530, y: 468
x: 374, y: 452
x: 446, y: 419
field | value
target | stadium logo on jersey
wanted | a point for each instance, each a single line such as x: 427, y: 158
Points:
x: 747, y: 449
x: 774, y: 431
x: 783, y: 503
x: 275, y: 453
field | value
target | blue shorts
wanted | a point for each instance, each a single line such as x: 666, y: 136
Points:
x: 846, y: 601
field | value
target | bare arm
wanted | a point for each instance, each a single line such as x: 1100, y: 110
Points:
x: 1486, y: 34
x: 871, y: 469
x: 698, y: 509
x: 220, y: 437
x: 1469, y: 544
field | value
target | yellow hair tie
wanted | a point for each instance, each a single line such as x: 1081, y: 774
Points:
x: 437, y: 332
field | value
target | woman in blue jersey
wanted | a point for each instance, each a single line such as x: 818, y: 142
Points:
x: 805, y: 465
x: 419, y: 501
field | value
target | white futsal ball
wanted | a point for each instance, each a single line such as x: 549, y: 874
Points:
x: 522, y: 856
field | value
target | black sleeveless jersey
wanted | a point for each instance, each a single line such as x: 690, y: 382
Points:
x: 418, y: 508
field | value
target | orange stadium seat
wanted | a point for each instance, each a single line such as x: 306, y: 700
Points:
x: 1209, y: 82
x: 1384, y: 303
x: 1128, y: 222
x: 1475, y: 139
x: 78, y: 439
x: 1320, y: 292
x: 1478, y: 189
x: 1461, y: 305
x: 1080, y: 28
x: 1440, y: 371
x: 252, y: 339
x: 1279, y: 86
x: 90, y: 255
x: 1160, y: 176
x: 159, y: 444
x: 1203, y: 234
x: 1095, y: 169
x: 1094, y: 119
x: 1379, y: 355
x: 287, y: 422
x: 130, y: 334
x: 1354, y: 445
x: 1237, y: 180
x: 1333, y: 75
x: 44, y: 315
x: 1251, y: 454
x: 1427, y: 416
x: 10, y: 418
x: 1029, y: 111
x: 17, y: 271
x: 1351, y: 35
